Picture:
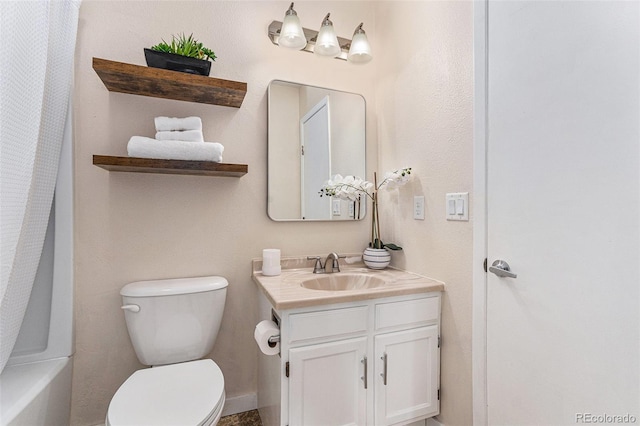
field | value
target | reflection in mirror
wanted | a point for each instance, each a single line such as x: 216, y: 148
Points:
x: 314, y: 133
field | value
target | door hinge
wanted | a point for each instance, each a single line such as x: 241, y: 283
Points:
x: 302, y: 149
x: 439, y: 341
x: 438, y: 394
x: 286, y: 369
x: 484, y: 265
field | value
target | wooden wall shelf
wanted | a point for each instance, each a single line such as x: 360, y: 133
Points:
x: 159, y: 83
x: 176, y: 167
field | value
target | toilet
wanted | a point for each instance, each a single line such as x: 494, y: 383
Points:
x: 172, y: 325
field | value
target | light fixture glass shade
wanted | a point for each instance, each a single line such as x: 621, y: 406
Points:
x: 327, y: 41
x: 360, y: 50
x: 291, y: 34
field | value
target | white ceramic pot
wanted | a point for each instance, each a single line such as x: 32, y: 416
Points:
x: 376, y: 258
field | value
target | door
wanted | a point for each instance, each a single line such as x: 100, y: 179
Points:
x: 563, y: 211
x: 315, y: 161
x: 327, y: 385
x: 406, y: 375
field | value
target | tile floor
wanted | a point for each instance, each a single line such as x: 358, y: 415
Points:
x: 248, y: 418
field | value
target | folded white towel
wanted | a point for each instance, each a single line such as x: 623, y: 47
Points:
x: 142, y: 147
x: 168, y: 124
x: 183, y: 135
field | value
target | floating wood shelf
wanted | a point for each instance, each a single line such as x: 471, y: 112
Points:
x: 176, y: 167
x: 159, y: 83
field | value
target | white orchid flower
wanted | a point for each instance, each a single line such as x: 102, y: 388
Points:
x: 397, y: 178
x: 353, y: 188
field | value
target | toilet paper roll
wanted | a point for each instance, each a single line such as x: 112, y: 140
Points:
x: 271, y: 262
x: 264, y: 330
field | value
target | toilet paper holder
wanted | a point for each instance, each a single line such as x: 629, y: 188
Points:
x: 274, y: 339
x: 275, y: 318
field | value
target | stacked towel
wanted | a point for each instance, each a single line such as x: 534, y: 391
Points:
x: 187, y: 129
x: 142, y: 147
x: 174, y: 140
x: 182, y: 135
x: 173, y: 124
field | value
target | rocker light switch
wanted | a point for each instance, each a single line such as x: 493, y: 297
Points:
x: 451, y: 207
x: 458, y: 206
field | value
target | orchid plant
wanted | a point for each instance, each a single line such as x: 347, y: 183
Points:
x: 353, y: 188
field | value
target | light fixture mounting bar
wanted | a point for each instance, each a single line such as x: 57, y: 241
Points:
x: 310, y: 35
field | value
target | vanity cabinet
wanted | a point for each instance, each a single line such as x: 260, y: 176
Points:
x: 328, y: 375
x: 407, y: 363
x: 371, y: 362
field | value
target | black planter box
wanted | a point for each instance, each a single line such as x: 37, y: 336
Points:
x: 173, y: 62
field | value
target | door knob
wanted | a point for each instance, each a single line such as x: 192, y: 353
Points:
x: 501, y: 269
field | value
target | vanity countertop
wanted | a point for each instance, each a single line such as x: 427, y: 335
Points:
x: 285, y: 292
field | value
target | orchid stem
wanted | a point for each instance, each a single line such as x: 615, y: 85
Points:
x: 376, y: 217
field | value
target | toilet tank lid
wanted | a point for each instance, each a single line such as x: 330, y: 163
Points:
x: 173, y: 286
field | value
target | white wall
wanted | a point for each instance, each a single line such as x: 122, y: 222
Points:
x: 135, y: 226
x: 284, y: 152
x: 424, y: 92
x: 132, y: 226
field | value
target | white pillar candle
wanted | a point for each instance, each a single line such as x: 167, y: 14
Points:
x: 271, y: 262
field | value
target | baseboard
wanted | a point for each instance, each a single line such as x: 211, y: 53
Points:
x: 240, y: 404
x: 433, y: 422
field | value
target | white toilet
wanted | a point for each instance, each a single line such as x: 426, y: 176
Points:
x: 172, y: 324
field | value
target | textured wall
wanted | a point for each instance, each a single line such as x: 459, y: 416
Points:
x: 133, y: 226
x: 424, y: 107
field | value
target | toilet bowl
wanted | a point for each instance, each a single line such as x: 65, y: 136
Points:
x: 189, y: 393
x: 172, y: 324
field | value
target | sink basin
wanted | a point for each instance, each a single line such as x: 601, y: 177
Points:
x: 342, y: 282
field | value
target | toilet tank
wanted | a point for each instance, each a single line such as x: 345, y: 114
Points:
x: 174, y: 320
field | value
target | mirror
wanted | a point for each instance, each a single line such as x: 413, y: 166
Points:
x: 314, y: 133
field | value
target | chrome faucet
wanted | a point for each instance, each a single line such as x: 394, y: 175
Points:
x: 328, y: 267
x: 335, y: 266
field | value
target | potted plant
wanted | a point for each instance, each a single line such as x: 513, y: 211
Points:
x: 184, y: 54
x: 352, y: 188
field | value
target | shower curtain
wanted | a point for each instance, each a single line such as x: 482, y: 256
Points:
x: 37, y: 50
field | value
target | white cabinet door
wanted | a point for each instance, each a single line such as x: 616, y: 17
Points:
x: 325, y: 384
x: 407, y: 368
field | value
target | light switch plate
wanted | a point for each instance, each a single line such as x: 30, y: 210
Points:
x: 418, y: 207
x: 336, y: 207
x: 457, y: 206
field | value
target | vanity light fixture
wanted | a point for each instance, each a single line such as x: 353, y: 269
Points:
x: 360, y: 50
x: 323, y: 42
x: 291, y: 34
x: 327, y: 40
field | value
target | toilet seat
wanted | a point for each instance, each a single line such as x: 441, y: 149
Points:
x: 185, y: 394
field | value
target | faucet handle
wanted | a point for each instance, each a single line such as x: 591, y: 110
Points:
x: 317, y: 268
x: 336, y: 264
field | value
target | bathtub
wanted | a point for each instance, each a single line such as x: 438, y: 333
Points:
x: 35, y: 386
x: 36, y: 393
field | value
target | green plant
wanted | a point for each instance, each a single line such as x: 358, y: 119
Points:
x: 185, y: 46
